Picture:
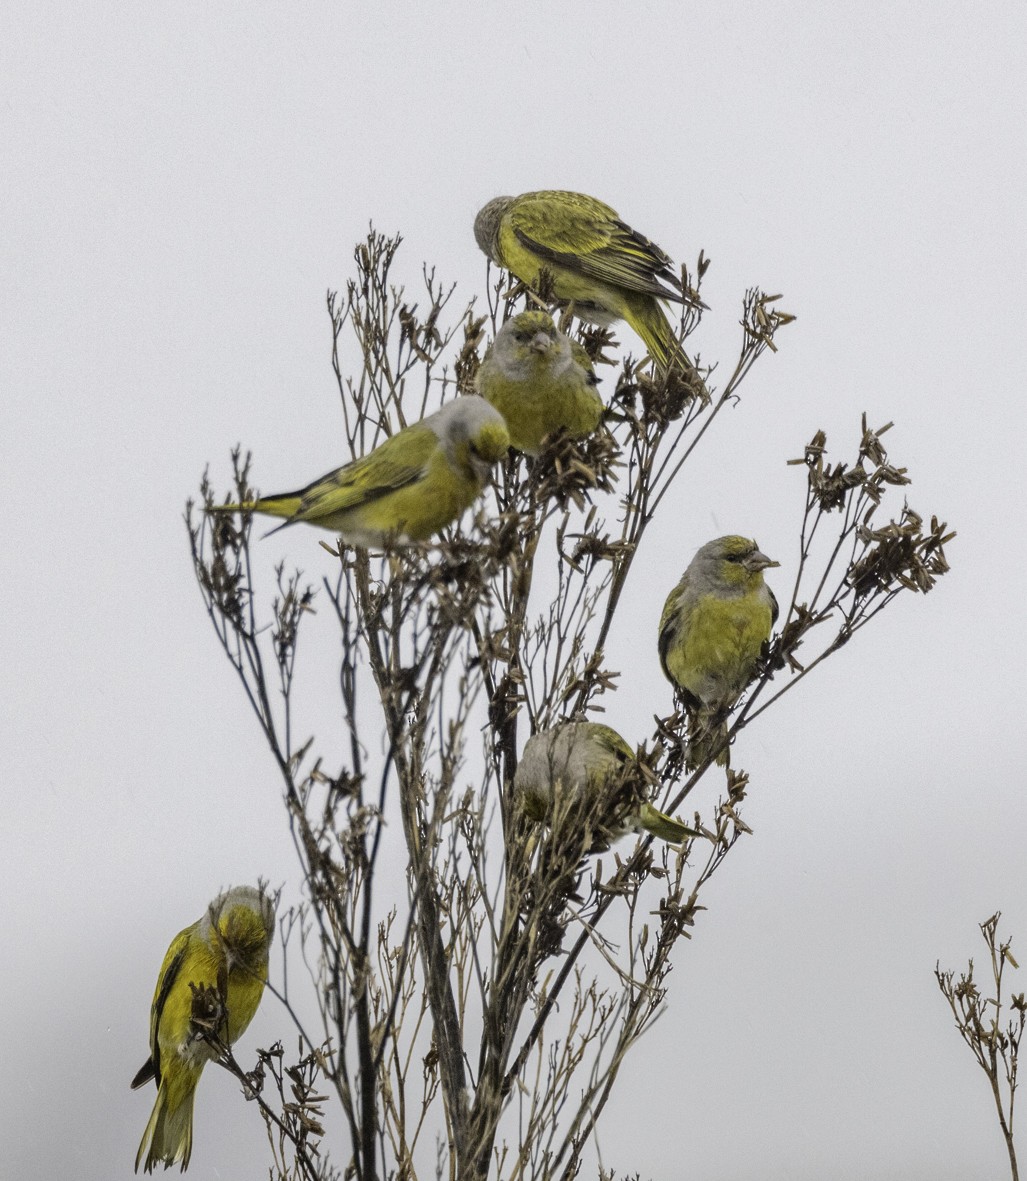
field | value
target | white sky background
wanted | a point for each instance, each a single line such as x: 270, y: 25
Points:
x: 181, y: 183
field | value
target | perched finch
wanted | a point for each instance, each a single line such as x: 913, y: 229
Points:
x: 409, y: 487
x: 596, y: 261
x: 541, y: 381
x: 712, y: 631
x: 582, y: 757
x: 226, y: 950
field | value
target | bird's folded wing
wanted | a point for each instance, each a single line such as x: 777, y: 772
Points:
x: 670, y: 625
x: 589, y: 238
x: 383, y: 471
x: 168, y: 975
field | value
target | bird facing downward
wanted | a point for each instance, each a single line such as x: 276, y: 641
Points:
x: 226, y: 950
x: 541, y: 381
x: 712, y: 631
x: 598, y: 262
x: 578, y: 758
x: 409, y: 487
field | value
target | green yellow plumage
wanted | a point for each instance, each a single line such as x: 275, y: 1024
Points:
x: 541, y: 381
x: 595, y: 261
x: 226, y: 950
x: 409, y: 487
x: 712, y: 631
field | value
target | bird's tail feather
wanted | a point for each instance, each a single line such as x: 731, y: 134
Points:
x: 169, y: 1133
x: 663, y: 826
x: 273, y: 506
x: 707, y: 739
x: 651, y: 324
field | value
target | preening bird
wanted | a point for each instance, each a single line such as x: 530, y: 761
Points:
x: 712, y: 631
x: 226, y: 950
x: 409, y: 487
x: 598, y: 262
x: 541, y: 381
x: 582, y: 757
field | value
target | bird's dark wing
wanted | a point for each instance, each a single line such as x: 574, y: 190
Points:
x: 586, y: 236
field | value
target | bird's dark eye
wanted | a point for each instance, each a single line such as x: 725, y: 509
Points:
x: 737, y: 557
x: 523, y: 336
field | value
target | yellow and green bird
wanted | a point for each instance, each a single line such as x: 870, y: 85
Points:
x: 596, y: 261
x: 409, y: 487
x: 578, y: 758
x: 541, y: 381
x: 712, y: 631
x: 226, y: 950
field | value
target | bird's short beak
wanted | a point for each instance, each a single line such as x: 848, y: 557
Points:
x: 541, y: 342
x: 759, y: 561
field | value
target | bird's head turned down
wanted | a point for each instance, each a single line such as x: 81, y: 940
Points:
x: 244, y: 909
x: 470, y: 425
x: 486, y: 226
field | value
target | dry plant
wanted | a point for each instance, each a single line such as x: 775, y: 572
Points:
x: 982, y: 1024
x: 480, y: 979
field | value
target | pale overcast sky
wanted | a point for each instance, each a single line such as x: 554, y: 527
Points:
x: 180, y: 185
